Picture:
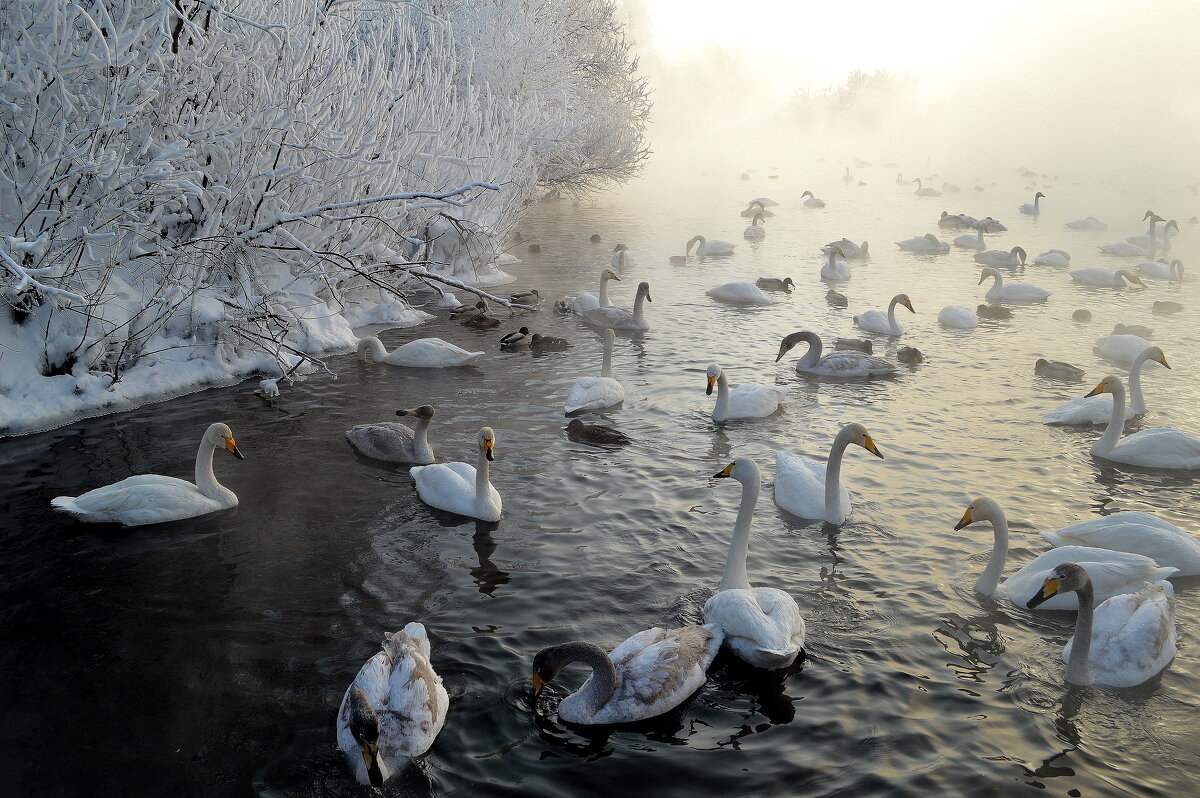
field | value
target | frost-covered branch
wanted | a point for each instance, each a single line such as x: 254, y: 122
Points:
x: 26, y: 281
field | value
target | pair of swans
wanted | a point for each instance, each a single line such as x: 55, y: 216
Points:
x: 619, y: 318
x: 839, y: 363
x: 925, y: 191
x: 927, y: 243
x: 595, y: 393
x: 1157, y: 447
x: 706, y: 248
x: 1106, y: 278
x: 1010, y: 292
x: 395, y: 442
x: 1032, y: 208
x: 810, y: 489
x: 749, y: 400
x: 740, y: 293
x: 156, y: 499
x: 430, y: 353
x: 461, y: 488
x: 884, y: 323
x: 394, y: 708
x: 998, y: 257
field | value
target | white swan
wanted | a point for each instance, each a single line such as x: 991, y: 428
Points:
x: 755, y: 230
x: 650, y: 673
x: 1106, y: 278
x: 1098, y: 409
x: 749, y: 400
x: 924, y: 191
x: 618, y: 318
x: 1161, y: 270
x: 1112, y: 572
x: 460, y: 488
x: 154, y: 499
x: 1122, y: 348
x: 1128, y: 249
x: 850, y: 250
x: 840, y: 363
x: 884, y: 323
x: 429, y: 353
x: 394, y: 708
x: 810, y: 489
x: 1090, y: 223
x: 1053, y: 257
x: 998, y: 257
x: 957, y: 220
x: 1137, y: 533
x: 925, y: 243
x: 1032, y: 208
x: 835, y: 268
x: 968, y: 241
x: 705, y: 247
x: 1010, y: 292
x: 762, y: 625
x: 960, y: 317
x: 1157, y: 447
x: 395, y: 442
x: 740, y: 294
x: 594, y: 393
x: 1144, y: 241
x: 813, y: 201
x: 1127, y: 640
x: 585, y: 302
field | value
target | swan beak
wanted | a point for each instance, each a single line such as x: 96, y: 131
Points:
x: 724, y: 472
x: 1163, y: 359
x: 612, y: 276
x: 966, y: 519
x: 908, y: 305
x: 374, y: 774
x: 869, y: 445
x: 648, y: 299
x: 538, y: 684
x: 782, y: 351
x: 1049, y: 590
x: 488, y: 451
x: 982, y: 277
x: 1138, y: 280
x: 1099, y: 389
x: 231, y: 447
x: 708, y: 391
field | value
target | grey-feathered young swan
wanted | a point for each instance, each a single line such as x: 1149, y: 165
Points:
x: 395, y: 442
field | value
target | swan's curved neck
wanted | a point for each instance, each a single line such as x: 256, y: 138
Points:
x: 604, y: 300
x: 206, y: 480
x: 1078, y: 671
x: 981, y: 242
x: 373, y: 346
x: 990, y: 578
x: 1137, y: 403
x: 1150, y: 232
x: 483, y: 496
x: 639, y: 315
x: 892, y: 324
x: 735, y: 577
x: 421, y: 434
x: 606, y: 367
x: 1036, y: 200
x: 813, y: 354
x: 999, y: 285
x: 722, y: 396
x: 833, y: 479
x: 1116, y: 422
x: 832, y: 258
x: 600, y: 687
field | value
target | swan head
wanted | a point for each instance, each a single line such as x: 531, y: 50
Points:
x: 757, y: 220
x: 1066, y: 577
x: 487, y: 443
x: 808, y: 194
x: 1148, y: 215
x: 1130, y: 275
x: 549, y: 662
x: 987, y: 272
x: 364, y: 727
x: 983, y: 227
x: 1156, y: 354
x: 609, y: 274
x: 1020, y: 253
x: 424, y: 412
x: 220, y: 435
x: 1110, y: 384
x: 743, y: 469
x: 858, y: 435
x: 1169, y: 225
x: 982, y: 509
x: 902, y: 299
x: 790, y: 341
x: 1039, y: 194
x: 644, y: 290
x: 714, y: 374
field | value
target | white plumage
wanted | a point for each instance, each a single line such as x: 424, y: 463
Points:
x: 1106, y: 278
x: 960, y: 317
x: 422, y: 353
x: 1137, y: 533
x: 884, y: 323
x: 1098, y: 409
x: 927, y: 243
x: 461, y: 488
x: 618, y: 318
x: 748, y: 400
x: 740, y: 293
x: 1011, y: 292
x: 595, y: 393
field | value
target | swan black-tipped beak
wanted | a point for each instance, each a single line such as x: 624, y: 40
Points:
x: 1099, y: 389
x: 870, y: 446
x: 782, y: 352
x: 724, y: 472
x: 966, y: 519
x: 488, y: 451
x: 1049, y: 590
x: 1163, y: 360
x: 231, y: 447
x: 538, y: 684
x: 708, y: 390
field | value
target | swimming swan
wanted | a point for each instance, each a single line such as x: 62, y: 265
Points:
x: 395, y: 442
x: 839, y: 363
x: 154, y: 499
x: 1161, y: 270
x: 960, y: 317
x: 1011, y: 292
x: 621, y: 318
x: 810, y: 489
x: 885, y: 324
x: 1032, y: 208
x: 755, y: 230
x: 1157, y: 447
x: 969, y: 241
x: 850, y: 250
x: 1098, y: 409
x: 431, y: 353
x: 813, y: 200
x: 927, y: 243
x: 706, y: 247
x: 834, y: 268
x: 1053, y: 257
x: 924, y: 191
x: 762, y: 625
x: 1090, y: 223
x: 1122, y: 347
x: 594, y: 393
x: 740, y: 294
x: 1106, y: 278
x: 748, y: 400
x: 998, y: 257
x: 460, y: 488
x: 585, y: 302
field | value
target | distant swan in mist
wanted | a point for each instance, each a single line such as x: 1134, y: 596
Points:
x: 924, y: 191
x: 1032, y: 209
x: 705, y: 247
x: 813, y: 201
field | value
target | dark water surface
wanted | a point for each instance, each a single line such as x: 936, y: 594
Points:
x: 208, y: 657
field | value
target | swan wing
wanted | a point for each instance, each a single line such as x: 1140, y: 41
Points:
x: 800, y: 486
x: 1133, y: 638
x: 753, y: 401
x: 447, y: 486
x: 1084, y: 410
x: 846, y: 363
x: 615, y: 317
x: 386, y: 440
x: 1137, y: 533
x: 139, y: 500
x: 1111, y: 572
x: 765, y: 618
x: 430, y: 353
x: 594, y: 393
x: 1158, y: 447
x: 416, y: 702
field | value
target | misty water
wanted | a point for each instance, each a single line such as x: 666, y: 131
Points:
x: 208, y: 657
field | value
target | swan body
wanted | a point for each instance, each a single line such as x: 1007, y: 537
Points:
x: 1090, y: 223
x: 1106, y: 278
x: 154, y: 499
x: 706, y: 248
x: 429, y: 353
x: 1011, y: 292
x: 998, y: 257
x: 850, y: 250
x: 585, y: 302
x: 1156, y: 447
x: 1122, y: 348
x: 755, y: 230
x: 1112, y: 572
x: 959, y: 317
x: 763, y: 625
x: 925, y: 191
x: 764, y: 201
x: 993, y: 225
x: 748, y: 400
x: 460, y: 488
x: 1125, y: 641
x: 925, y: 243
x: 969, y: 241
x: 1137, y: 533
x: 839, y: 363
x: 1161, y: 270
x: 884, y: 323
x: 1053, y: 257
x: 617, y: 318
x: 1126, y: 249
x: 595, y: 393
x: 835, y: 268
x: 393, y: 442
x: 1032, y: 208
x: 650, y: 673
x: 812, y: 201
x: 810, y: 489
x: 740, y: 294
x: 394, y: 708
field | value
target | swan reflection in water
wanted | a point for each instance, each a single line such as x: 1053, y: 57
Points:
x: 975, y: 642
x: 487, y: 575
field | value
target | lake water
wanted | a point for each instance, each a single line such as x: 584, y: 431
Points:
x: 208, y: 657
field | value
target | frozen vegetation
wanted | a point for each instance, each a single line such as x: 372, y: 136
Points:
x: 194, y: 191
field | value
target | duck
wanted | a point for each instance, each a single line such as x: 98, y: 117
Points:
x: 1125, y: 641
x: 650, y: 673
x: 837, y: 363
x: 927, y: 243
x: 762, y: 625
x: 530, y: 297
x: 998, y: 257
x: 925, y: 191
x: 850, y: 250
x: 1088, y: 223
x: 394, y: 708
x: 775, y: 284
x: 1155, y: 447
x: 749, y: 400
x: 1140, y: 330
x: 706, y: 248
x: 1106, y: 278
x: 460, y: 488
x: 584, y: 302
x: 1053, y: 257
x: 854, y: 344
x: 909, y: 355
x: 514, y: 340
x: 482, y: 319
x: 395, y: 442
x: 1081, y: 314
x: 595, y: 433
x: 813, y: 201
x: 835, y: 268
x: 547, y: 342
x: 755, y: 230
x: 960, y: 317
x: 1161, y: 270
x: 1165, y: 308
x: 836, y: 299
x: 811, y: 489
x: 1032, y: 208
x: 1113, y: 572
x: 1134, y: 532
x: 884, y: 323
x: 154, y: 499
x: 1121, y: 348
x: 739, y: 294
x: 1057, y: 369
x: 1011, y: 292
x: 594, y: 393
x: 968, y: 241
x: 621, y: 318
x: 423, y: 353
x: 993, y: 312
